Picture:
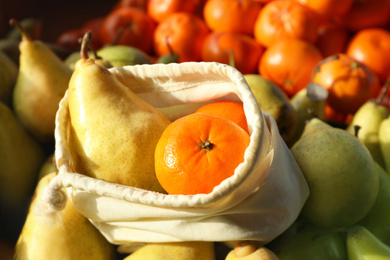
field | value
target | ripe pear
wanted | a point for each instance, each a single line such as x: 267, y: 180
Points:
x: 274, y: 101
x: 384, y: 142
x: 123, y: 55
x: 69, y: 235
x: 309, y: 102
x: 362, y: 244
x: 41, y: 83
x: 21, y: 157
x: 245, y: 250
x: 340, y: 172
x: 8, y: 74
x: 113, y: 132
x: 368, y: 118
x: 377, y: 221
x: 189, y: 250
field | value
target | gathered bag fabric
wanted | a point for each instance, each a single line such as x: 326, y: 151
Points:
x: 260, y: 201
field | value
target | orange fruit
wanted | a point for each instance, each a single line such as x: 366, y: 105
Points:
x: 349, y: 82
x: 244, y: 49
x: 237, y: 16
x: 372, y: 47
x: 290, y: 64
x: 328, y: 9
x: 233, y: 110
x: 367, y: 14
x: 197, y: 152
x: 332, y: 38
x: 285, y: 19
x: 183, y: 33
x: 161, y: 9
x: 131, y: 25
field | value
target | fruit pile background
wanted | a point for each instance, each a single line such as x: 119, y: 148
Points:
x: 291, y: 65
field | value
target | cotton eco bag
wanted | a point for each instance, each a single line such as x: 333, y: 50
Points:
x: 262, y: 198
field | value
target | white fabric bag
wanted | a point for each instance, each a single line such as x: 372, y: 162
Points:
x: 259, y: 202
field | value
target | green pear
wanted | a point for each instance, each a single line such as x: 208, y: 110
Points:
x: 41, y: 83
x: 188, y: 250
x: 273, y: 100
x: 123, y: 55
x: 113, y: 132
x: 377, y: 221
x: 340, y: 172
x: 363, y: 245
x: 69, y: 235
x: 8, y: 74
x: 368, y: 118
x: 384, y: 141
x: 309, y: 102
x: 305, y: 241
x: 245, y: 250
x: 21, y: 157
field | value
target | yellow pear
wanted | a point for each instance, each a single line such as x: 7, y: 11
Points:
x: 69, y: 235
x: 246, y: 250
x: 21, y: 157
x: 113, y: 132
x: 274, y: 101
x: 369, y: 118
x: 189, y: 250
x: 40, y: 85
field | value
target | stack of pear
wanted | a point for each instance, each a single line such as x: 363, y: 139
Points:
x: 188, y: 250
x: 340, y: 172
x: 68, y: 235
x: 113, y: 132
x: 42, y: 81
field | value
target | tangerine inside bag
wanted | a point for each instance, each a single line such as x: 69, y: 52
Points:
x: 260, y: 201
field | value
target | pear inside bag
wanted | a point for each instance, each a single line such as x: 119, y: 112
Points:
x: 259, y: 202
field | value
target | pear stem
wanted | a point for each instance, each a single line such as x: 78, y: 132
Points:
x: 356, y: 128
x: 15, y: 23
x: 383, y: 92
x: 85, y: 45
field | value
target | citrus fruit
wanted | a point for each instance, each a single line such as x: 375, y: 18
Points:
x: 233, y: 110
x: 197, y: 152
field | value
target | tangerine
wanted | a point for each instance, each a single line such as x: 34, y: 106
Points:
x: 372, y: 47
x: 349, y: 82
x: 182, y: 32
x: 197, y: 152
x: 290, y: 64
x: 233, y: 110
x: 244, y: 50
x: 285, y: 19
x: 222, y: 15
